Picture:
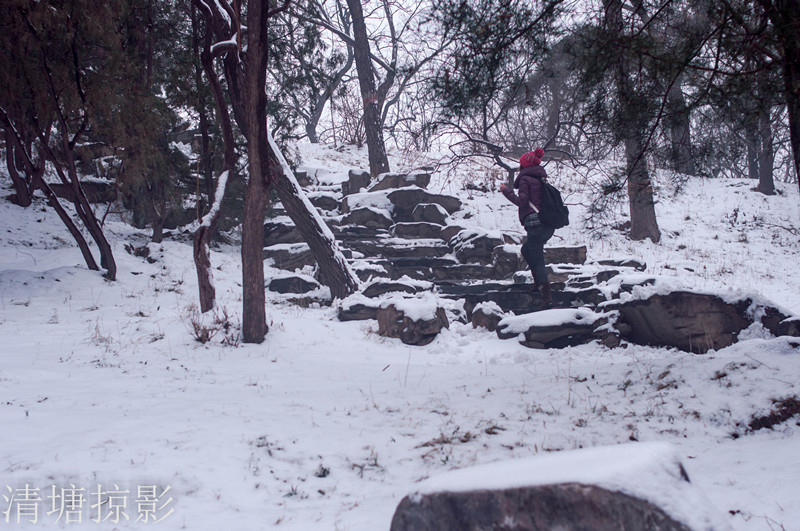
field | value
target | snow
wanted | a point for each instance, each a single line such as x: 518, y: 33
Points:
x: 553, y: 317
x: 327, y: 425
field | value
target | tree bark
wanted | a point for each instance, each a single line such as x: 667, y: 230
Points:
x: 23, y: 193
x: 785, y: 17
x: 640, y: 189
x: 254, y: 320
x: 680, y: 131
x: 378, y: 161
x: 766, y: 158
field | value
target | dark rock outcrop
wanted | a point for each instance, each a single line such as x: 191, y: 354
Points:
x: 293, y: 284
x: 566, y: 507
x: 429, y: 213
x: 388, y: 181
x: 393, y: 322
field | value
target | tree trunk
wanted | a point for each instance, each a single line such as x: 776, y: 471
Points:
x: 785, y: 17
x: 333, y: 267
x: 766, y: 158
x: 23, y: 194
x: 378, y: 161
x: 640, y: 189
x: 84, y: 209
x: 640, y: 192
x: 680, y: 131
x: 254, y: 320
x: 753, y: 146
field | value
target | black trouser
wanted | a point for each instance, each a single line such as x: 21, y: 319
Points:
x: 533, y: 248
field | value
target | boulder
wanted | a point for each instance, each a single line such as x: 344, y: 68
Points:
x: 387, y: 181
x: 565, y: 255
x: 413, y: 321
x: 416, y: 231
x: 382, y: 287
x: 638, y: 265
x: 290, y: 256
x: 356, y: 181
x: 96, y: 191
x: 369, y: 217
x: 475, y: 246
x: 488, y: 315
x: 358, y: 308
x: 506, y: 260
x: 640, y: 486
x: 555, y: 328
x: 323, y: 200
x: 450, y: 231
x: 693, y: 322
x: 429, y: 213
x: 293, y: 284
x: 405, y: 200
x: 281, y: 231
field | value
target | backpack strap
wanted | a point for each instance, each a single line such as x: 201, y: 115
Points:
x: 533, y: 207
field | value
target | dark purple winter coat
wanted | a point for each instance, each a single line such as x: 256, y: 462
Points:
x: 530, y: 189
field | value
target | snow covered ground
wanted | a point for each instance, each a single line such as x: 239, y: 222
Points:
x: 327, y: 425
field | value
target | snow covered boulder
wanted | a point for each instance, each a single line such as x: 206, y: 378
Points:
x: 405, y: 200
x: 379, y: 287
x: 290, y: 256
x: 281, y: 230
x: 555, y: 328
x: 488, y: 315
x: 476, y: 245
x: 640, y: 486
x: 414, y: 321
x: 698, y: 322
x: 356, y: 180
x: 430, y: 213
x: 373, y: 218
x: 387, y: 181
x: 416, y: 230
x: 293, y: 284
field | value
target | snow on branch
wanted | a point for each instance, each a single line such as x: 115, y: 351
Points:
x: 218, y: 194
x: 225, y: 46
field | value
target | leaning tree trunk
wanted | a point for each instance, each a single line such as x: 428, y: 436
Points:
x: 378, y: 161
x: 334, y: 270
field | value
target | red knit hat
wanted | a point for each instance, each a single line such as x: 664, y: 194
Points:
x: 531, y: 158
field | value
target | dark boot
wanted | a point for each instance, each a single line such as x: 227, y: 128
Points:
x: 547, y: 295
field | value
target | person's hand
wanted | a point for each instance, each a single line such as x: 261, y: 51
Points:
x: 503, y: 187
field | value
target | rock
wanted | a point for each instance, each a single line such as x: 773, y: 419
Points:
x: 488, y: 315
x: 641, y: 486
x: 779, y: 324
x: 356, y: 181
x: 323, y: 200
x: 382, y: 287
x: 369, y: 217
x: 293, y: 284
x: 303, y: 178
x: 388, y: 181
x: 412, y: 329
x: 459, y: 272
x: 416, y: 249
x: 179, y: 218
x: 475, y: 246
x: 430, y: 213
x: 556, y: 328
x: 405, y: 200
x: 290, y: 256
x: 358, y: 308
x: 96, y: 191
x: 281, y: 231
x: 450, y: 231
x: 625, y: 262
x: 506, y: 260
x: 416, y: 231
x: 565, y: 255
x: 693, y: 322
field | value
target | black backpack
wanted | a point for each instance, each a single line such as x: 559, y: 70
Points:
x: 553, y: 212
